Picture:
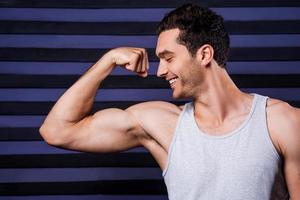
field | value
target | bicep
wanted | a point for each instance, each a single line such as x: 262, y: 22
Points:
x: 108, y: 130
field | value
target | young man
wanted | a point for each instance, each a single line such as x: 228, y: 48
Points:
x: 225, y: 144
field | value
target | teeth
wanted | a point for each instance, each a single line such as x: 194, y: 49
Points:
x: 172, y: 80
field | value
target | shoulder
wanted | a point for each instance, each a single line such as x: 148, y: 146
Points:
x: 154, y: 112
x: 281, y: 110
x: 153, y: 115
x: 283, y: 123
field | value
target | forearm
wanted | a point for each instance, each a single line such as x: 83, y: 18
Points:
x: 78, y: 100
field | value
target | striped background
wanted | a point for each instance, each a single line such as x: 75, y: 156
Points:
x: 46, y: 45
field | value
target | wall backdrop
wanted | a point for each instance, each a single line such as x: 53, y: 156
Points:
x: 45, y: 45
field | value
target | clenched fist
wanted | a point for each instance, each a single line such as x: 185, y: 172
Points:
x: 132, y: 58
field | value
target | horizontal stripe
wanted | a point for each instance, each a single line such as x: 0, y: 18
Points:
x: 21, y: 134
x: 43, y: 108
x: 138, y: 15
x: 81, y: 41
x: 21, y: 121
x: 65, y: 81
x: 139, y: 28
x: 136, y: 82
x: 142, y: 4
x: 77, y: 160
x: 104, y: 95
x: 40, y: 95
x: 69, y: 68
x: 77, y: 174
x: 30, y: 147
x: 71, y: 41
x: 60, y: 68
x: 125, y: 187
x: 87, y: 197
x: 101, y: 15
x: 92, y: 55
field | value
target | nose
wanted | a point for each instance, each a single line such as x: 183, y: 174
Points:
x: 161, y: 70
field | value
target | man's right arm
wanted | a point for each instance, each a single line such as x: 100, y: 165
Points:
x: 69, y: 124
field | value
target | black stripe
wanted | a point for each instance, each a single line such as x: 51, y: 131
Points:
x: 43, y: 108
x: 20, y: 134
x: 92, y: 55
x: 138, y: 28
x: 108, y: 187
x: 136, y: 82
x: 63, y: 81
x: 142, y: 4
x: 78, y: 160
x: 263, y: 27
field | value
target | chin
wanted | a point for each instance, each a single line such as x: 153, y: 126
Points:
x: 179, y: 92
x: 178, y: 95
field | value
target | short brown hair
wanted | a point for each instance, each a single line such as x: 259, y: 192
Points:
x: 198, y: 26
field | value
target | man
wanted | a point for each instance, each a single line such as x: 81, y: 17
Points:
x: 225, y: 144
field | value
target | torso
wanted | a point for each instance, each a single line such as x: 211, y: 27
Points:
x: 161, y: 120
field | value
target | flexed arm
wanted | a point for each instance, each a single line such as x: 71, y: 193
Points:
x: 69, y: 124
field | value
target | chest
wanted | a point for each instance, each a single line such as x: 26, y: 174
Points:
x: 221, y: 129
x: 226, y: 166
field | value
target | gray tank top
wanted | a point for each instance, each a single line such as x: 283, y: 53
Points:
x: 240, y: 165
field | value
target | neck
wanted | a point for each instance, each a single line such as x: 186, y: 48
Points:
x: 219, y: 98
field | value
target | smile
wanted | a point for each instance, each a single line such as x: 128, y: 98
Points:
x: 173, y: 80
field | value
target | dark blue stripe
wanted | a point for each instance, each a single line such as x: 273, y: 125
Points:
x: 142, y: 4
x: 77, y: 174
x: 110, y: 15
x: 22, y: 95
x: 103, y: 95
x: 25, y: 147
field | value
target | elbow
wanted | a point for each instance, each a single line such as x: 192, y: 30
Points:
x: 50, y: 136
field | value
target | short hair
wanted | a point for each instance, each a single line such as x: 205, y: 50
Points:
x: 198, y: 26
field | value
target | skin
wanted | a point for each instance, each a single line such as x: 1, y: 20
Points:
x: 223, y: 108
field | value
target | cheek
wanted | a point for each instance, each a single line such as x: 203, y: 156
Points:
x: 194, y: 77
x: 184, y: 69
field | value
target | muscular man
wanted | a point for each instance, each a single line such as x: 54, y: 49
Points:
x: 224, y: 144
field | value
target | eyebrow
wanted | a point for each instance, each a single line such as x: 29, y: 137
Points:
x: 164, y: 53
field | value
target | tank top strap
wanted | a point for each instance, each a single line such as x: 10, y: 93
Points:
x: 260, y: 107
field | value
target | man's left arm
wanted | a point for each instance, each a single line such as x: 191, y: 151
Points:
x: 290, y: 149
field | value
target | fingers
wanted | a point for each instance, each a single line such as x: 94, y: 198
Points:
x: 147, y: 60
x: 145, y: 63
x: 141, y: 63
x: 132, y: 58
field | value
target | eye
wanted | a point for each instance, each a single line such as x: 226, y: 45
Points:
x: 169, y: 59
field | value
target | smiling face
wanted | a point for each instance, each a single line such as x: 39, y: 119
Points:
x: 183, y: 72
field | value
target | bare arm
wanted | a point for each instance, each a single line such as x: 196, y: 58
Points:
x: 291, y: 152
x: 285, y: 125
x: 69, y: 124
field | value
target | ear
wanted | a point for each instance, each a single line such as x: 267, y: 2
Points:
x: 205, y: 54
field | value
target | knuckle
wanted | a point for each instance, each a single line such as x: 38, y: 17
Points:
x: 134, y: 56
